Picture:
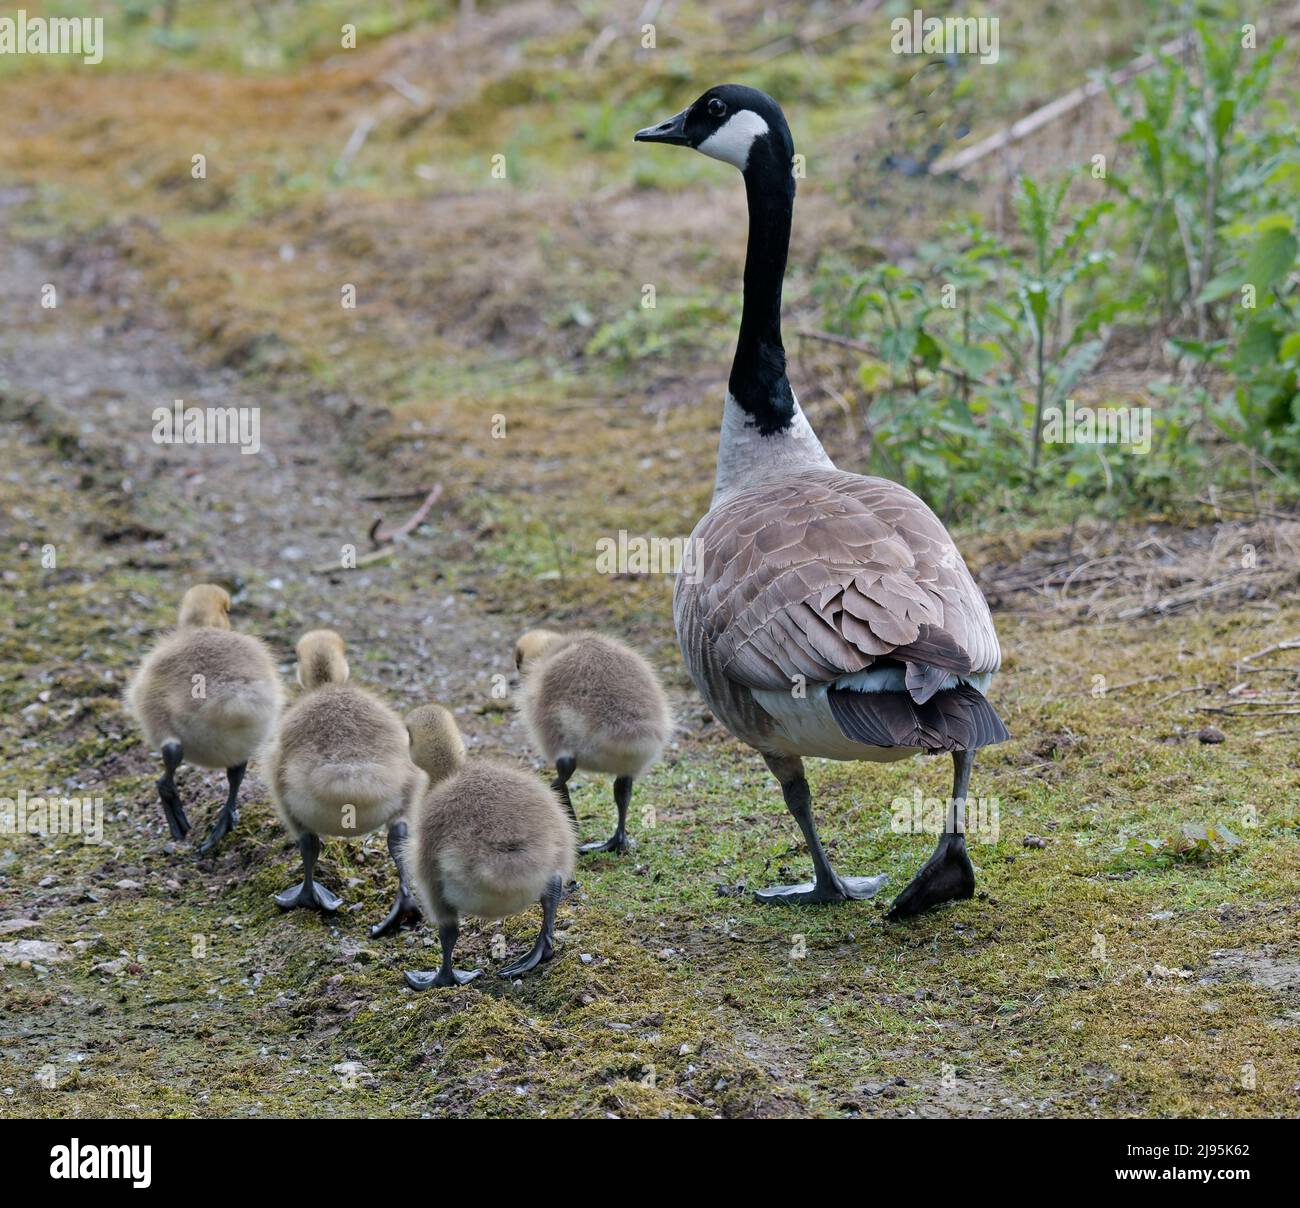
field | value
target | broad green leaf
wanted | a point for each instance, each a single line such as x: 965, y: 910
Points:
x: 1221, y: 286
x: 927, y: 348
x: 1271, y: 258
x: 974, y: 360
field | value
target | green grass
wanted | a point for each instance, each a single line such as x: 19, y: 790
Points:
x: 997, y: 1005
x: 695, y: 1001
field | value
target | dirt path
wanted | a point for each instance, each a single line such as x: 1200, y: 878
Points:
x: 105, y: 359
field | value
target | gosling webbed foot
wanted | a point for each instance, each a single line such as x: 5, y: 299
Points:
x: 544, y: 947
x: 173, y: 810
x: 311, y: 897
x: 839, y: 889
x: 542, y: 950
x: 405, y: 913
x: 947, y: 876
x: 444, y: 977
x: 224, y: 824
x: 618, y: 842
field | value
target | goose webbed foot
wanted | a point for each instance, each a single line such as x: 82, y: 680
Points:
x: 444, y: 977
x: 405, y: 913
x: 827, y: 885
x: 618, y: 842
x: 835, y: 889
x: 947, y: 876
x: 229, y: 815
x: 406, y: 910
x: 544, y: 948
x: 310, y: 895
x: 224, y: 824
x: 173, y: 810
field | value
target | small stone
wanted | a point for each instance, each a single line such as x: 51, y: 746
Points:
x: 1034, y: 841
x: 24, y: 952
x: 127, y: 883
x: 1211, y: 734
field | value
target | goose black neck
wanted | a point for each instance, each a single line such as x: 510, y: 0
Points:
x: 758, y: 382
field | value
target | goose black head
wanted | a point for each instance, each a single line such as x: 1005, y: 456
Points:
x: 746, y: 128
x: 738, y: 125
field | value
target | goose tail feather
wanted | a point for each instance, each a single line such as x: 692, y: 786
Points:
x: 954, y: 719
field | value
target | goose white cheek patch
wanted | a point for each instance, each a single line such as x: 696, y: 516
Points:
x: 731, y: 142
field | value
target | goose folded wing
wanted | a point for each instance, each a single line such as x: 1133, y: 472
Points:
x: 818, y: 577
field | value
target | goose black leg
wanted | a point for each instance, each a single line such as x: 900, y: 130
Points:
x: 544, y: 948
x: 565, y: 766
x: 827, y: 885
x: 173, y: 810
x: 448, y: 933
x: 229, y: 815
x: 406, y: 910
x: 948, y: 875
x: 308, y: 893
x: 618, y: 841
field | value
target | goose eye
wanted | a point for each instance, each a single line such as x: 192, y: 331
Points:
x: 717, y: 107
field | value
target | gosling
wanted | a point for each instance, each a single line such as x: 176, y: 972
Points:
x: 487, y: 839
x: 209, y: 695
x: 591, y: 702
x: 340, y: 765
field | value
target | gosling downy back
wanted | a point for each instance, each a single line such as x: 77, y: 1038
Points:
x: 487, y: 837
x: 340, y: 764
x: 214, y: 690
x: 592, y: 697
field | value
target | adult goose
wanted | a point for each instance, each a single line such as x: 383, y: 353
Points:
x: 825, y: 613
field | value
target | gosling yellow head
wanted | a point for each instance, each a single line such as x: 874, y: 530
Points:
x: 205, y: 606
x: 533, y: 645
x: 437, y: 747
x: 321, y: 659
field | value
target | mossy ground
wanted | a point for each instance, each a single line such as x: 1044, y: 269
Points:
x: 1083, y: 980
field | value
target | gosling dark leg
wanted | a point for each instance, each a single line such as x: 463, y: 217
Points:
x: 565, y: 766
x: 544, y: 948
x: 827, y: 885
x: 447, y: 975
x: 173, y: 810
x: 406, y: 910
x: 618, y: 841
x: 229, y: 816
x: 948, y: 875
x: 308, y: 893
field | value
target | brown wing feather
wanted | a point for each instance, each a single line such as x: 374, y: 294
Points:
x: 818, y: 576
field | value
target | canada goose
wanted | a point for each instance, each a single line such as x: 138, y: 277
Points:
x: 487, y: 839
x: 209, y: 695
x: 340, y: 765
x: 591, y: 702
x: 828, y: 614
